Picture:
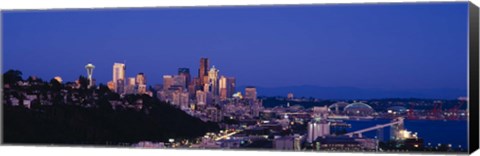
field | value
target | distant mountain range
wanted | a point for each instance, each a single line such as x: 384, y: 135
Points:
x: 358, y: 93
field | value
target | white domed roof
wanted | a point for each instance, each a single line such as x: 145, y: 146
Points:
x: 358, y: 105
x: 358, y: 108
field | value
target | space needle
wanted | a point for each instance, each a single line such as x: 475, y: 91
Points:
x: 90, y: 68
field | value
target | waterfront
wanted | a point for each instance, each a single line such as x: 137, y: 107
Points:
x: 432, y: 131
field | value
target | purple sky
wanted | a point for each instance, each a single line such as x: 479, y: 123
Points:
x: 387, y: 46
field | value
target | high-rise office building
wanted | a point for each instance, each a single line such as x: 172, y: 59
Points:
x: 167, y: 81
x: 192, y: 88
x: 250, y: 93
x: 90, y: 68
x: 201, y: 98
x: 213, y: 81
x: 119, y: 77
x: 180, y: 98
x: 165, y: 95
x: 222, y: 87
x: 142, y: 89
x: 231, y: 84
x: 226, y: 87
x: 206, y: 88
x: 141, y: 80
x: 131, y: 81
x: 179, y: 81
x: 197, y: 82
x: 120, y: 86
x: 186, y: 73
x: 130, y: 85
x: 203, y: 72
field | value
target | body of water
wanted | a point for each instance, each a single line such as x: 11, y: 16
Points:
x: 431, y: 131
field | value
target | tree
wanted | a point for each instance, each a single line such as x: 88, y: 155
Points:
x: 83, y: 82
x: 55, y: 85
x: 97, y: 125
x: 103, y: 89
x: 12, y: 77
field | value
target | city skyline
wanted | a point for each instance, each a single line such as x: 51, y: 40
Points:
x: 355, y: 78
x: 214, y: 84
x: 306, y: 53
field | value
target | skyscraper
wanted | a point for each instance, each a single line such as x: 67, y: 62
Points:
x: 192, y: 88
x: 141, y: 80
x: 201, y: 98
x: 119, y: 77
x: 203, y: 72
x: 130, y: 86
x: 213, y: 81
x: 131, y: 81
x: 142, y: 89
x: 231, y: 84
x: 222, y: 87
x: 120, y: 86
x: 167, y: 81
x: 185, y: 72
x: 226, y: 87
x: 90, y: 68
x: 179, y: 81
x: 141, y: 83
x: 180, y: 99
x: 251, y: 93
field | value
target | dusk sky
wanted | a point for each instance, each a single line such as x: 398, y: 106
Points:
x: 386, y: 46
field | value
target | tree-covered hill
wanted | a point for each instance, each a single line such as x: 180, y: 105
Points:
x: 72, y: 123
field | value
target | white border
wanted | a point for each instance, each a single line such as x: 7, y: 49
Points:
x: 88, y: 4
x: 82, y: 151
x: 58, y: 4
